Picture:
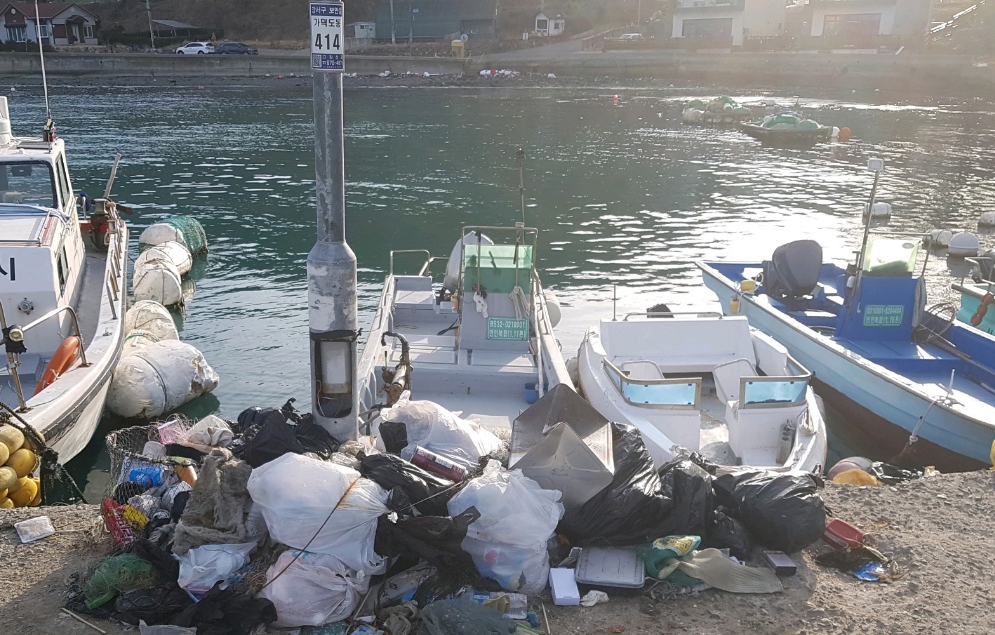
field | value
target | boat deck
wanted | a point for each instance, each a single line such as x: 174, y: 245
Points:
x: 486, y: 386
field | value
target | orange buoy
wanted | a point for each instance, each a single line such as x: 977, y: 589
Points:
x: 64, y: 358
x: 979, y: 314
x: 844, y: 135
x: 615, y: 100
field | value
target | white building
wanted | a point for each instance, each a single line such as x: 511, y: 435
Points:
x: 728, y: 20
x: 856, y: 18
x: 61, y: 23
x: 547, y: 26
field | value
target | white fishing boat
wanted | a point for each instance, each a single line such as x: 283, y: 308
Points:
x: 704, y: 383
x: 479, y: 342
x: 62, y: 298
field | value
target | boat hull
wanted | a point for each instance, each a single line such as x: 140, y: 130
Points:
x: 787, y: 137
x: 877, y: 395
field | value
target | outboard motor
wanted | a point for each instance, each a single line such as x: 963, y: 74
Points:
x: 793, y: 270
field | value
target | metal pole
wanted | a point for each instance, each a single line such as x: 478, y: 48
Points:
x: 520, y: 155
x: 393, y: 40
x: 41, y: 55
x: 148, y: 8
x: 331, y: 273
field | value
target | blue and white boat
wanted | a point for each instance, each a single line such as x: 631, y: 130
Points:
x: 977, y: 297
x: 915, y: 382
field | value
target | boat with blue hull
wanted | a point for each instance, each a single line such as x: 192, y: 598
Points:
x: 918, y: 385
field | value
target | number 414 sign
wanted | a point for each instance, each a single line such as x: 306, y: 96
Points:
x: 326, y: 36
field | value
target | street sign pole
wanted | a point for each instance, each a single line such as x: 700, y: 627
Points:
x: 331, y: 264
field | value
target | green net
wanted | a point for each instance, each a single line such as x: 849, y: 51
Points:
x: 118, y: 574
x: 192, y: 231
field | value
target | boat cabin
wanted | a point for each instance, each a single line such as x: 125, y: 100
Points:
x: 42, y: 253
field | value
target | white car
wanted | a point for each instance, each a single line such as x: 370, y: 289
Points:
x: 195, y: 48
x: 631, y: 36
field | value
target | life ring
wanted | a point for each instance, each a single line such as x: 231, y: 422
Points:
x: 979, y: 315
x: 64, y: 358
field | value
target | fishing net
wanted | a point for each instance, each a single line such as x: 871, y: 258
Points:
x: 57, y: 486
x: 191, y: 230
x: 118, y: 574
x: 138, y: 458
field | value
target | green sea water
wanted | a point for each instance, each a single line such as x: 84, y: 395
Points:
x: 627, y: 197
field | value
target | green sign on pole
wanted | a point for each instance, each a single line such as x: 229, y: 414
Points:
x: 511, y: 329
x: 883, y: 314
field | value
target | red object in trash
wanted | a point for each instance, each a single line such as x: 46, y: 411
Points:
x: 120, y: 530
x: 438, y: 465
x: 841, y: 535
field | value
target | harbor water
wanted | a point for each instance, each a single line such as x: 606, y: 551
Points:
x: 626, y: 197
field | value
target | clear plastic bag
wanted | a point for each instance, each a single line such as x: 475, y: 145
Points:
x: 517, y: 518
x: 310, y: 589
x: 202, y: 567
x: 297, y: 495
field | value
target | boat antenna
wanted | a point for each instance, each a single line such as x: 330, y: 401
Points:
x: 614, y: 302
x: 44, y: 80
x: 876, y: 166
x: 520, y: 157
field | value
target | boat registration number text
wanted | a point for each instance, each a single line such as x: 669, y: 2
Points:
x: 507, y: 329
x: 10, y: 271
x: 883, y: 314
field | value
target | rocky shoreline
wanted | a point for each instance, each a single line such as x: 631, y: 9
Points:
x: 937, y: 529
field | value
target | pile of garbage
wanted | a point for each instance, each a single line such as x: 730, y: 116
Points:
x: 789, y: 121
x: 717, y: 110
x: 224, y: 526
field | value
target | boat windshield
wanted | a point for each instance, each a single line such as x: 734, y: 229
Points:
x: 660, y: 393
x: 765, y: 391
x: 27, y: 183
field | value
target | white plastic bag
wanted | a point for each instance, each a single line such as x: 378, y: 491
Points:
x: 517, y: 518
x: 297, y: 494
x: 312, y: 590
x: 208, y: 433
x: 434, y: 428
x: 202, y: 567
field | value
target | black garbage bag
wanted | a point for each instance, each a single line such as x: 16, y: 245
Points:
x: 394, y: 435
x: 436, y: 539
x: 634, y: 509
x: 268, y: 433
x: 226, y: 612
x: 427, y: 492
x: 782, y: 511
x: 457, y: 617
x: 891, y: 475
x: 691, y: 490
x: 157, y: 605
x: 727, y: 532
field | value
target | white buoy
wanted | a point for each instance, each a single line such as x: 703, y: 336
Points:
x: 159, y: 282
x: 152, y: 318
x: 937, y: 238
x: 987, y: 220
x: 879, y: 211
x: 963, y: 245
x: 158, y: 379
x: 160, y: 233
x: 552, y: 307
x: 171, y: 251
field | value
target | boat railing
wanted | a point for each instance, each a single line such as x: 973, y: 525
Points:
x: 683, y: 393
x: 16, y: 334
x: 666, y: 314
x: 547, y: 340
x: 425, y: 265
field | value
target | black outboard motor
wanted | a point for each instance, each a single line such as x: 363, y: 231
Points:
x: 793, y: 270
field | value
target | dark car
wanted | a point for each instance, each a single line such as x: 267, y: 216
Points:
x: 234, y: 48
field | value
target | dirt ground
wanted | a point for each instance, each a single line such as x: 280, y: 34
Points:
x: 939, y: 529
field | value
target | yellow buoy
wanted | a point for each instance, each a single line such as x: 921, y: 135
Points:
x: 23, y: 461
x: 24, y: 495
x: 8, y: 477
x: 6, y: 504
x: 36, y: 501
x: 18, y: 485
x: 4, y: 453
x: 855, y: 476
x: 992, y: 455
x: 734, y: 305
x: 12, y: 438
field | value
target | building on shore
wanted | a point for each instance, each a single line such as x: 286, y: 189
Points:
x: 726, y: 23
x: 57, y: 23
x: 408, y: 20
x: 868, y: 18
x: 547, y: 26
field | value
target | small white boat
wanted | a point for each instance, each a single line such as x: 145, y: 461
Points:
x: 479, y: 342
x: 705, y: 383
x: 62, y: 292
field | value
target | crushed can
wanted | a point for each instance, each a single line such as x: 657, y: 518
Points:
x: 438, y: 465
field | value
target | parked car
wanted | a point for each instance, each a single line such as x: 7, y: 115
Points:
x: 631, y: 36
x: 235, y: 48
x: 195, y: 48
